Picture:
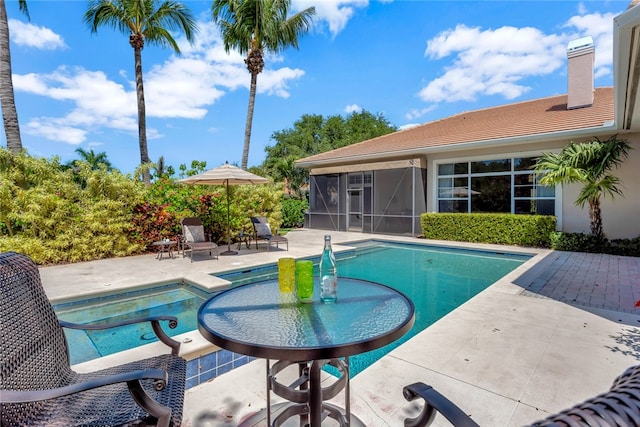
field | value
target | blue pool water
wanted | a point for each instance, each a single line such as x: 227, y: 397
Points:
x: 436, y: 279
x: 175, y: 299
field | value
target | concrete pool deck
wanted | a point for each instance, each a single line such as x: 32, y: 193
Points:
x: 550, y: 334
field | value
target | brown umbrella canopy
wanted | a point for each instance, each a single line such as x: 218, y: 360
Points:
x: 225, y: 175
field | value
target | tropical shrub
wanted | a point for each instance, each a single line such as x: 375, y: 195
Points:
x: 625, y: 247
x: 505, y: 229
x: 57, y: 214
x: 209, y: 203
x: 54, y: 214
x: 581, y: 242
x: 293, y: 212
x: 578, y: 242
x: 152, y: 223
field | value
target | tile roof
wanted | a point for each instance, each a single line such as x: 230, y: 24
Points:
x: 527, y: 118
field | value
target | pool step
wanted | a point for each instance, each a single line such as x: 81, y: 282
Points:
x: 135, y: 306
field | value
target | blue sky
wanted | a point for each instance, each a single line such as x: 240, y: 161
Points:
x: 412, y: 61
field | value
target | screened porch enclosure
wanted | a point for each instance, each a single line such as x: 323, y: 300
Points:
x: 387, y: 201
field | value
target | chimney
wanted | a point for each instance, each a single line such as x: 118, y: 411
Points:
x: 581, y: 56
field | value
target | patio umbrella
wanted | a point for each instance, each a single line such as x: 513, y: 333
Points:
x: 458, y: 192
x: 225, y: 175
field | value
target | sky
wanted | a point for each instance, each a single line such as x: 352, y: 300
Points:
x: 411, y: 61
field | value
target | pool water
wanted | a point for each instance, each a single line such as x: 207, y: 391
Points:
x: 436, y: 279
x: 175, y: 299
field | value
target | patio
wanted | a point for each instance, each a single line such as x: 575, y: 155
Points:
x: 552, y: 333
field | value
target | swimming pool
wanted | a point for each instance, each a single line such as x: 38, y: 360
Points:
x: 437, y: 279
x: 176, y: 299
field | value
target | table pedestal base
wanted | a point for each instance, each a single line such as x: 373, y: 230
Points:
x: 308, y: 396
x: 260, y: 417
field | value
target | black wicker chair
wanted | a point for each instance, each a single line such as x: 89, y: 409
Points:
x: 262, y: 231
x: 620, y: 406
x: 37, y: 384
x: 194, y: 239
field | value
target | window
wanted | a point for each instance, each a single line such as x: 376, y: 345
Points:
x: 501, y: 185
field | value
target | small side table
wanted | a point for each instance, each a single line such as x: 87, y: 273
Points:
x: 164, y: 247
x: 244, y: 237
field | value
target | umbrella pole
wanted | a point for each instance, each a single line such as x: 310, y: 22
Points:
x: 228, y: 251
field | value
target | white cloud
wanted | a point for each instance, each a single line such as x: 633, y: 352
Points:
x: 353, y: 108
x: 336, y: 13
x: 409, y: 125
x: 181, y: 87
x: 24, y: 34
x: 498, y: 61
x: 490, y: 62
x: 582, y: 8
x: 53, y: 129
x: 98, y: 102
x: 416, y: 114
x: 276, y: 82
x: 600, y: 27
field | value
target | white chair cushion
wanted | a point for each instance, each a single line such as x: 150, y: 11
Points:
x: 263, y: 229
x: 194, y: 233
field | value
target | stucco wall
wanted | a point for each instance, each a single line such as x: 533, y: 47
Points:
x: 621, y: 217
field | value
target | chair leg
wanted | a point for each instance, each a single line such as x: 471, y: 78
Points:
x: 160, y: 412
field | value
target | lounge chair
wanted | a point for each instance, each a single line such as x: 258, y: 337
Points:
x: 195, y: 240
x: 262, y: 231
x: 37, y: 384
x: 620, y: 406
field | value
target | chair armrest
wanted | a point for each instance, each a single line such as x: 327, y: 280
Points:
x: 434, y: 402
x: 155, y: 324
x: 159, y: 376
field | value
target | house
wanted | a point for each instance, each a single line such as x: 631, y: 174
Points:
x: 479, y: 161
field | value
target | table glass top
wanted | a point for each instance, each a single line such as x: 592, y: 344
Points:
x: 260, y: 321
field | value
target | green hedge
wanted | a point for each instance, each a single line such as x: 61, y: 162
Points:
x: 504, y: 229
x: 580, y: 242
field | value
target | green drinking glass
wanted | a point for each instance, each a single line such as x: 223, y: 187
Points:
x: 304, y: 280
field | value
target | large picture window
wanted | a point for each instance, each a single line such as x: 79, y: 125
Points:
x: 501, y: 185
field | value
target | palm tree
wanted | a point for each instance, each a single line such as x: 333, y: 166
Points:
x: 253, y: 27
x: 160, y: 168
x: 590, y: 164
x: 293, y: 177
x: 9, y: 113
x: 94, y: 159
x: 147, y: 21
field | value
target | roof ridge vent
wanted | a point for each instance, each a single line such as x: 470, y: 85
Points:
x: 581, y: 56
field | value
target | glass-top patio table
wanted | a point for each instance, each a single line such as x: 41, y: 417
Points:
x: 258, y: 320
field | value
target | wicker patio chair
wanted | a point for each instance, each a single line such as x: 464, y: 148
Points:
x: 620, y: 406
x: 38, y: 386
x: 262, y: 231
x: 194, y: 238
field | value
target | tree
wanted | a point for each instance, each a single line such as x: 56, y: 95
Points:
x: 9, y: 113
x: 93, y: 159
x: 294, y: 178
x: 161, y: 169
x: 590, y: 164
x: 149, y: 21
x: 312, y: 134
x: 253, y: 27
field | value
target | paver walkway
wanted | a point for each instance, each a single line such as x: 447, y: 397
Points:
x: 591, y: 280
